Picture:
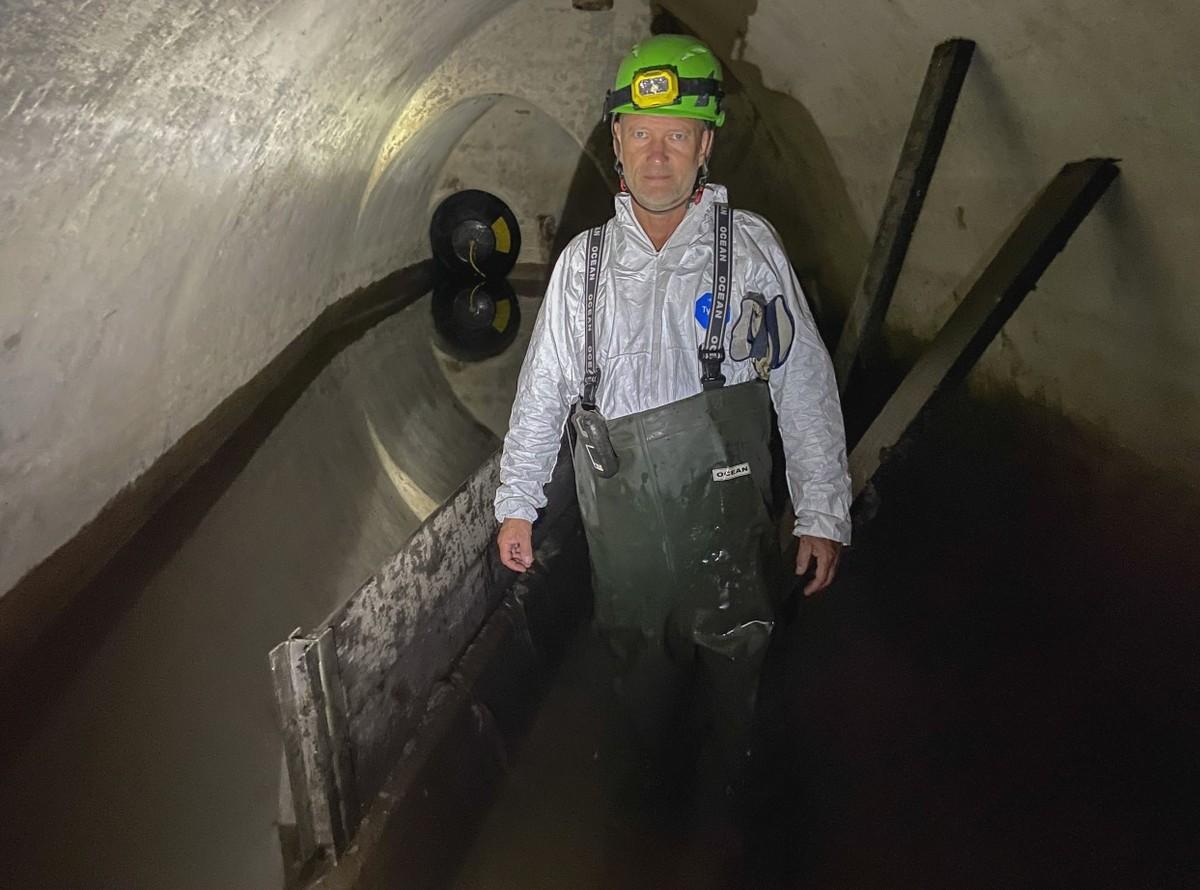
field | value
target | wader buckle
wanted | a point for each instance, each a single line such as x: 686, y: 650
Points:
x: 710, y: 367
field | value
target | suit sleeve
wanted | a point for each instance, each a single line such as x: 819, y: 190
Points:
x: 548, y: 383
x: 805, y: 394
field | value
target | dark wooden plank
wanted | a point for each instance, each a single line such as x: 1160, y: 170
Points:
x: 400, y: 632
x: 1037, y: 237
x: 352, y: 694
x: 455, y: 756
x: 918, y: 158
x: 403, y: 629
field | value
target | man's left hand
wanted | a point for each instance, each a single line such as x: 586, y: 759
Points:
x: 826, y: 553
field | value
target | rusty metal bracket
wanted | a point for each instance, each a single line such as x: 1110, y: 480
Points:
x: 312, y: 713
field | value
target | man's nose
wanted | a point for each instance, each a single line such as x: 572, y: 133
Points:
x: 658, y: 149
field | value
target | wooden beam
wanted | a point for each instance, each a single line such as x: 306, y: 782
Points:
x: 918, y: 158
x: 1037, y: 237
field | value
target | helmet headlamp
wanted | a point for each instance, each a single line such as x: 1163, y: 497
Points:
x: 654, y: 88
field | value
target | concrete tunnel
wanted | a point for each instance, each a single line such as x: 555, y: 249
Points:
x: 224, y: 408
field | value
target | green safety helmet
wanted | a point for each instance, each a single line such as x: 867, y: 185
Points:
x: 670, y: 74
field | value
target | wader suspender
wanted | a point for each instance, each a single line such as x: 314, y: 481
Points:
x: 712, y: 350
x: 591, y: 375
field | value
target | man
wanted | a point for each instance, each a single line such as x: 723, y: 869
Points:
x: 669, y: 329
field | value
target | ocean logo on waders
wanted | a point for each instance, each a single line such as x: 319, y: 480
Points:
x: 724, y: 474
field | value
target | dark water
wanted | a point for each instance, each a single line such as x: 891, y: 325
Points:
x: 1000, y: 690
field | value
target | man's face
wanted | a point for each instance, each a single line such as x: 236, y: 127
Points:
x: 660, y: 157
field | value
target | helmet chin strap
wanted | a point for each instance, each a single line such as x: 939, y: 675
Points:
x: 701, y: 180
x: 621, y: 175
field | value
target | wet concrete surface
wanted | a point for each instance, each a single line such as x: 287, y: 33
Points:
x: 154, y: 759
x: 1000, y: 690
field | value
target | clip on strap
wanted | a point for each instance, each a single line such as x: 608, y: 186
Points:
x: 712, y: 350
x: 591, y: 375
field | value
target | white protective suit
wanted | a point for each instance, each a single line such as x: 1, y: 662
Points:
x: 647, y: 335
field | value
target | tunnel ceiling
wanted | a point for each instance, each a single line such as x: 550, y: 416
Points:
x: 185, y: 186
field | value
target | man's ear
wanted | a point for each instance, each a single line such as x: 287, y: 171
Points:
x: 616, y: 137
x: 706, y: 142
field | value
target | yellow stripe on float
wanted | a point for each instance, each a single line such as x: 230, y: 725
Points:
x: 503, y: 311
x: 503, y: 237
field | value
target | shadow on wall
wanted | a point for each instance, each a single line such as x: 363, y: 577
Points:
x: 776, y: 162
x: 1139, y: 266
x: 590, y: 194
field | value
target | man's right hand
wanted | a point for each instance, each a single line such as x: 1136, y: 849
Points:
x: 515, y: 541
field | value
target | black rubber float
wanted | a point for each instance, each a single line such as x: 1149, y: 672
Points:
x: 474, y: 232
x: 475, y: 319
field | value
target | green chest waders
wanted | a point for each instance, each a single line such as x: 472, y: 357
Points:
x: 683, y: 548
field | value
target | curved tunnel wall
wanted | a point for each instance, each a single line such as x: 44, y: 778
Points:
x: 528, y: 161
